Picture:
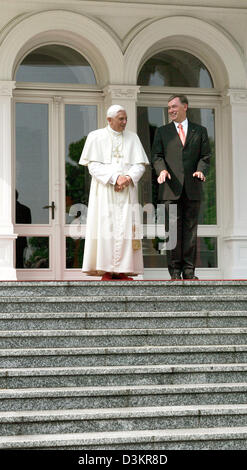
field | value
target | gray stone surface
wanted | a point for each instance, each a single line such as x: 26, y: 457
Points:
x: 207, y: 439
x: 125, y: 337
x: 112, y: 356
x: 121, y: 396
x: 85, y: 288
x: 122, y: 375
x: 127, y: 419
x: 89, y: 320
x: 129, y: 303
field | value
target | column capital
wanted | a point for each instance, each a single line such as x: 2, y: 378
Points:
x: 7, y: 87
x: 235, y: 96
x: 122, y: 92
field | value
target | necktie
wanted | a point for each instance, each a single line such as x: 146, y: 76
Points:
x: 181, y: 134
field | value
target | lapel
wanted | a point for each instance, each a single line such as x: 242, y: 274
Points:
x: 191, y: 131
x: 173, y: 133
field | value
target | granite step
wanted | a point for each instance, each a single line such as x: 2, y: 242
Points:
x: 65, y: 398
x: 234, y: 438
x: 121, y: 419
x: 122, y: 337
x: 141, y: 287
x: 122, y: 375
x: 112, y: 356
x: 91, y: 320
x: 126, y: 303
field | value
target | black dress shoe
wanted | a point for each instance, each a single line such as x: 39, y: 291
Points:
x: 190, y: 276
x: 175, y: 275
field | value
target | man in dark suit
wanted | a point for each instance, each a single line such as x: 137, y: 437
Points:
x: 180, y: 156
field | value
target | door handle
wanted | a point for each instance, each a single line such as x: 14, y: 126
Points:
x: 52, y: 207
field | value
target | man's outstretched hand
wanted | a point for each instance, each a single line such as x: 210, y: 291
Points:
x: 199, y: 175
x: 163, y: 175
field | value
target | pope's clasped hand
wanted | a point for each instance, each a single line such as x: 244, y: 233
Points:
x: 123, y: 181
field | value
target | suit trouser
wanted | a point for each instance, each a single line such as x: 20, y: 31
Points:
x: 183, y: 257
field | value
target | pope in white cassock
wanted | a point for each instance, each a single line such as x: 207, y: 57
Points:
x: 116, y: 161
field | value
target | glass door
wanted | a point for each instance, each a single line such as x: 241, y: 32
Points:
x: 79, y: 121
x: 34, y: 193
x: 51, y: 187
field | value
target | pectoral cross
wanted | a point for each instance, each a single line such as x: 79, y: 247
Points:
x: 117, y: 153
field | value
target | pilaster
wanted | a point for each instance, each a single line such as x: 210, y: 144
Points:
x: 7, y: 236
x: 124, y: 95
x: 235, y: 186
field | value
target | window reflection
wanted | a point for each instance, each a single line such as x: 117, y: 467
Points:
x: 74, y: 253
x: 155, y: 256
x: 79, y: 121
x: 55, y: 64
x: 175, y: 68
x: 32, y: 161
x: 32, y: 252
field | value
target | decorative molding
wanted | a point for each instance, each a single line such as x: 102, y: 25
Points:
x: 237, y: 96
x: 7, y: 87
x: 57, y: 100
x: 123, y: 92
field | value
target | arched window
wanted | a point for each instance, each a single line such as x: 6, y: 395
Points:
x: 165, y: 73
x: 55, y: 64
x: 175, y: 68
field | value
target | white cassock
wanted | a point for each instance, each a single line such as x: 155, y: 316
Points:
x: 113, y: 218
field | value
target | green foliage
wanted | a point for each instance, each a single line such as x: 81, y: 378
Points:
x: 77, y: 176
x: 208, y: 214
x: 40, y: 253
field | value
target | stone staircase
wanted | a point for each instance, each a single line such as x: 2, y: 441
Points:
x: 123, y: 365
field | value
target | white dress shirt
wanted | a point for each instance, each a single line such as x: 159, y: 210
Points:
x: 184, y: 124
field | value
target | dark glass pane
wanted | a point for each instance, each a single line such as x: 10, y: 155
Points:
x: 208, y: 213
x: 148, y: 119
x: 154, y: 254
x: 32, y: 252
x: 174, y: 68
x: 55, y: 64
x: 79, y: 121
x: 207, y: 252
x: 74, y: 253
x: 32, y: 163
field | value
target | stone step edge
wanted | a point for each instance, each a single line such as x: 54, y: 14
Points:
x: 144, y: 282
x: 125, y: 298
x: 120, y: 315
x: 115, y: 350
x: 122, y: 437
x: 124, y: 332
x: 121, y: 413
x: 121, y: 370
x: 127, y: 390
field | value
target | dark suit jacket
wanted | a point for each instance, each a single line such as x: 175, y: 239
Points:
x: 181, y: 162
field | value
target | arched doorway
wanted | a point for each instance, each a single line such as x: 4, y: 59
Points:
x: 57, y: 104
x: 177, y: 71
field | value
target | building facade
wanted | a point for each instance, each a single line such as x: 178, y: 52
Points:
x: 62, y: 63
